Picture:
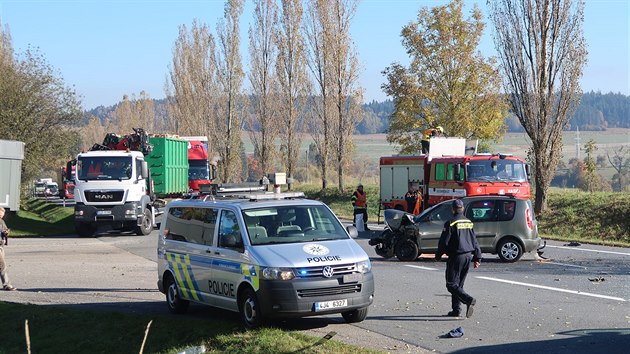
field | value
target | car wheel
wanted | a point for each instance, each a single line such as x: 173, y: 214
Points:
x: 355, y: 316
x: 509, y: 250
x: 145, y: 227
x: 85, y: 229
x: 175, y: 303
x: 407, y: 250
x: 249, y: 308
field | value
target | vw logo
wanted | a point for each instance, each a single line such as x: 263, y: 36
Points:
x: 327, y: 271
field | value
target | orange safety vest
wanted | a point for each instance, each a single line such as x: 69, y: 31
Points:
x: 427, y: 133
x: 359, y: 199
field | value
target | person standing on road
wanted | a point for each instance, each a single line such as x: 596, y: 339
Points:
x: 4, y: 240
x: 359, y: 202
x: 459, y: 243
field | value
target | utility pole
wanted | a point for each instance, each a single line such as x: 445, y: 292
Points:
x: 577, y: 142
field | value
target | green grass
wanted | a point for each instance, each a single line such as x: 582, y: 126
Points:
x: 39, y: 218
x: 54, y: 329
x: 341, y: 203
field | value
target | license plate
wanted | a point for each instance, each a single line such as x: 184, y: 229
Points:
x: 326, y: 305
x: 352, y: 278
x: 104, y: 212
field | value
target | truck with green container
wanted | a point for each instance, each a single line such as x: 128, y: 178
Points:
x: 125, y: 182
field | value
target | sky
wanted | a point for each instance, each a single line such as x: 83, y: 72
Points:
x: 105, y: 49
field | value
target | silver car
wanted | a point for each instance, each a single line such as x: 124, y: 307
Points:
x: 504, y: 225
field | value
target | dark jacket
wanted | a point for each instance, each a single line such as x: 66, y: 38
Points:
x: 458, y: 237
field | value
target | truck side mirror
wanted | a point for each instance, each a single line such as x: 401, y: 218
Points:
x: 528, y: 172
x: 68, y: 172
x: 213, y: 172
x: 458, y: 172
x: 145, y: 170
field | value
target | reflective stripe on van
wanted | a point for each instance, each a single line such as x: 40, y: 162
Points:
x: 181, y: 267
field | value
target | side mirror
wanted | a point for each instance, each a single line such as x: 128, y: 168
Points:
x: 68, y: 174
x: 528, y: 172
x: 352, y: 231
x: 213, y: 172
x: 458, y: 172
x: 145, y: 170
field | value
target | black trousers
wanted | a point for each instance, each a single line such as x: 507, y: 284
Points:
x: 456, y: 271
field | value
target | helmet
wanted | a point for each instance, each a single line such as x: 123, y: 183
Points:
x: 440, y: 129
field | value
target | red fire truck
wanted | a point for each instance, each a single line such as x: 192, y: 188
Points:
x: 200, y: 171
x: 452, y: 169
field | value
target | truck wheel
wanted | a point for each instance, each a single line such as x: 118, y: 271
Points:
x: 355, y: 316
x: 145, y: 227
x: 175, y: 303
x: 509, y: 250
x: 85, y: 229
x: 249, y: 308
x: 407, y: 251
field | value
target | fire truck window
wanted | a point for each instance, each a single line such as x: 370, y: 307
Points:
x: 439, y: 172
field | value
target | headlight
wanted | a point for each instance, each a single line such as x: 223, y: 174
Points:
x: 364, y: 267
x: 278, y: 273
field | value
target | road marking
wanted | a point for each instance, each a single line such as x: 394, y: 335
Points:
x: 566, y: 265
x: 420, y: 267
x: 589, y: 250
x: 553, y: 289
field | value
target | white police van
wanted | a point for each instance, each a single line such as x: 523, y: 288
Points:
x: 265, y: 255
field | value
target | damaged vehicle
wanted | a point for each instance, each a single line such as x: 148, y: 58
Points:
x: 505, y: 226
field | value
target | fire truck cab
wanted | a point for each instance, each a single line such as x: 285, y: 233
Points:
x: 452, y: 169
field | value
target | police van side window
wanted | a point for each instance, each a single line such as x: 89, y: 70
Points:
x: 229, y: 231
x: 209, y: 220
x: 186, y: 224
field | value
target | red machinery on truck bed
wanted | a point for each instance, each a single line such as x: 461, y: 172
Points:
x: 451, y: 170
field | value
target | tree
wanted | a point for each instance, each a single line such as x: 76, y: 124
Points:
x: 293, y: 81
x: 621, y: 163
x: 227, y: 130
x: 590, y: 168
x: 344, y: 78
x: 36, y: 108
x: 264, y: 123
x: 542, y: 50
x: 448, y: 83
x: 192, y: 87
x: 319, y: 57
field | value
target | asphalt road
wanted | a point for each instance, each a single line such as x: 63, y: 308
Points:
x: 578, y: 301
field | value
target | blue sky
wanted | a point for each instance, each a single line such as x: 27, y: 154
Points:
x: 108, y: 48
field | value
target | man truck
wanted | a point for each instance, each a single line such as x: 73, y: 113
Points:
x: 123, y: 181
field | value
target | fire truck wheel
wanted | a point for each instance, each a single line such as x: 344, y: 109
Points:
x: 145, y: 227
x: 407, y: 251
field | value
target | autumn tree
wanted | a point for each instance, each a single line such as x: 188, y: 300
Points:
x: 264, y: 123
x: 293, y: 82
x: 192, y: 85
x: 317, y: 22
x: 344, y: 74
x: 542, y: 50
x: 448, y: 82
x: 620, y: 162
x: 227, y: 130
x: 37, y: 108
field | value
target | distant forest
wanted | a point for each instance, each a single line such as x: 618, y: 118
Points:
x: 597, y: 112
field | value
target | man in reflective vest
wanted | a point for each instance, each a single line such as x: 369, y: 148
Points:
x: 459, y: 242
x: 359, y: 202
x: 427, y: 135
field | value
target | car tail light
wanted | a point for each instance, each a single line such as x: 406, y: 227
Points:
x: 528, y: 217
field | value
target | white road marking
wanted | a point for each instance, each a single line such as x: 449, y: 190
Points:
x: 420, y: 267
x: 589, y: 250
x: 553, y: 289
x: 565, y: 265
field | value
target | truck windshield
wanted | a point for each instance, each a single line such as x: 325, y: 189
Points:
x: 198, y: 170
x: 495, y: 170
x: 104, y: 168
x: 292, y: 224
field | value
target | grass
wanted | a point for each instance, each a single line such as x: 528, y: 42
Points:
x: 56, y: 329
x: 39, y: 218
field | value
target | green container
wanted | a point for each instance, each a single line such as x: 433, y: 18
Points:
x: 168, y: 164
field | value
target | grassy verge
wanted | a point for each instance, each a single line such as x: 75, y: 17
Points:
x: 341, y: 203
x: 63, y: 330
x: 39, y: 218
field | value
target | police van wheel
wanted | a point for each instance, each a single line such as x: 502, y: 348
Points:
x: 145, y: 227
x: 355, y: 316
x: 509, y: 250
x: 174, y: 302
x: 407, y: 251
x: 249, y: 307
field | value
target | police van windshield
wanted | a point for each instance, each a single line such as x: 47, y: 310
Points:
x: 495, y: 170
x: 292, y: 224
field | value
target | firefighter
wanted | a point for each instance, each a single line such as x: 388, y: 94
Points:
x: 428, y: 134
x: 359, y: 202
x: 413, y: 199
x: 459, y: 243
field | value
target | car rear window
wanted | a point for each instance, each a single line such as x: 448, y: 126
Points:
x: 491, y: 210
x: 505, y: 210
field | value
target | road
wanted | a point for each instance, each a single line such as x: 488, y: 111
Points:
x: 578, y: 301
